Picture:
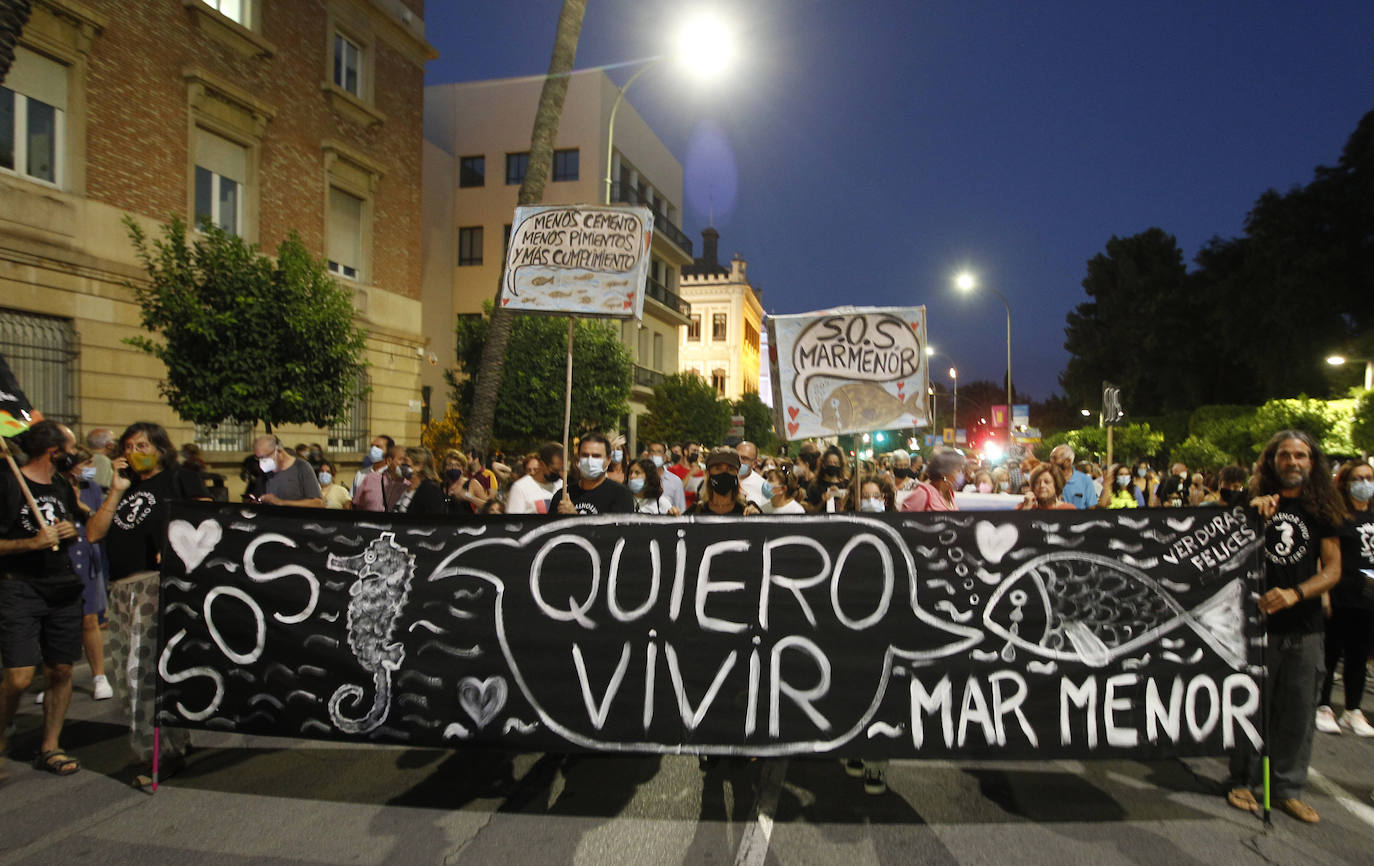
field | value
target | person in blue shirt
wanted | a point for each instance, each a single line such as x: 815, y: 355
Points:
x: 1078, y: 486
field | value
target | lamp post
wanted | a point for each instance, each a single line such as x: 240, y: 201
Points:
x: 966, y: 283
x: 1341, y: 360
x: 953, y: 374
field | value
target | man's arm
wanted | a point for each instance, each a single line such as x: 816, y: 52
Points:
x: 1327, y: 576
x: 99, y: 525
x: 48, y: 536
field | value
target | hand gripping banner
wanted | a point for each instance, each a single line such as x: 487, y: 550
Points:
x: 1024, y: 634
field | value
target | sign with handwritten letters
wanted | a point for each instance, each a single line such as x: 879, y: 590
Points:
x: 848, y: 370
x: 1023, y: 634
x: 585, y: 260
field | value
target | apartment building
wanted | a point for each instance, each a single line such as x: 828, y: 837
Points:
x: 263, y: 117
x: 477, y: 139
x: 721, y: 343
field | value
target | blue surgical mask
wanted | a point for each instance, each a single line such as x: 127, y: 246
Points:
x: 1361, y: 491
x: 88, y: 473
x: 592, y: 467
x: 617, y: 455
x: 637, y: 485
x: 325, y: 478
x: 374, y: 454
x: 744, y: 470
x: 768, y: 489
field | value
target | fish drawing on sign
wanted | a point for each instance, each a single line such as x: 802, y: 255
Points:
x: 865, y: 405
x: 541, y: 281
x: 384, y: 570
x: 1091, y: 609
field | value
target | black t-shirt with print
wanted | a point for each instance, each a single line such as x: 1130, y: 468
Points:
x: 140, y: 519
x: 608, y: 497
x: 1356, y: 588
x: 57, y: 502
x: 1292, y: 554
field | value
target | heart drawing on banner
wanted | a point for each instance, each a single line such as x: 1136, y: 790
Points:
x: 792, y: 427
x: 995, y: 541
x: 193, y: 543
x: 793, y: 410
x: 482, y: 699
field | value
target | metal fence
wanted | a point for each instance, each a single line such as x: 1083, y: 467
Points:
x: 41, y: 351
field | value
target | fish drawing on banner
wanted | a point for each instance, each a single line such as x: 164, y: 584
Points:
x: 384, y: 571
x: 864, y: 405
x: 1090, y: 609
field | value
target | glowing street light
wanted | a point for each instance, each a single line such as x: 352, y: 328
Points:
x: 966, y: 282
x: 1341, y: 360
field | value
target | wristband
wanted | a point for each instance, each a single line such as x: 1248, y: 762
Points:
x: 1298, y: 589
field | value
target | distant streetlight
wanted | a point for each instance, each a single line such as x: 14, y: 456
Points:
x: 1341, y: 360
x: 953, y: 374
x: 966, y: 282
x: 704, y: 47
x: 1085, y: 413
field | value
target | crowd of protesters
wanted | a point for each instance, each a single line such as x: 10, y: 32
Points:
x: 105, y: 508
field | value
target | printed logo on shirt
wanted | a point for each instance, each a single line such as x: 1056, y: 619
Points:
x: 1286, y: 539
x: 585, y: 508
x: 51, y: 509
x: 134, y: 509
x: 1367, y: 542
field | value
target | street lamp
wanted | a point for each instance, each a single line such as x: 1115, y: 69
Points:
x: 953, y: 374
x: 704, y: 47
x: 967, y: 283
x: 1085, y: 413
x: 1341, y: 360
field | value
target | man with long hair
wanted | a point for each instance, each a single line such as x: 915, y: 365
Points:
x: 1302, y: 509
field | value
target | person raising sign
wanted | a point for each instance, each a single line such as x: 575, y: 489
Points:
x: 593, y: 493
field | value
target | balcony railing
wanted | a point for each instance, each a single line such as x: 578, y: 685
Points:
x: 646, y: 378
x: 662, y: 225
x: 660, y: 293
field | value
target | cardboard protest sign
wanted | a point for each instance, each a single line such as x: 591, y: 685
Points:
x: 1004, y: 635
x: 583, y: 260
x: 848, y: 370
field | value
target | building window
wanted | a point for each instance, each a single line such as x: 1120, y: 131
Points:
x: 751, y: 336
x: 470, y: 246
x: 221, y: 172
x: 345, y: 236
x: 472, y: 171
x: 694, y: 328
x: 348, y: 64
x: 225, y: 436
x: 517, y: 164
x: 718, y: 381
x: 658, y: 351
x: 235, y: 10
x: 41, y: 351
x: 565, y: 164
x: 351, y: 434
x: 33, y: 105
x: 718, y: 331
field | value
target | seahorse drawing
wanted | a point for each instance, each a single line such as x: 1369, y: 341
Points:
x: 384, y: 570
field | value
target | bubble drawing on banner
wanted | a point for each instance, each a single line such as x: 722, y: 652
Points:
x: 585, y: 260
x: 848, y: 370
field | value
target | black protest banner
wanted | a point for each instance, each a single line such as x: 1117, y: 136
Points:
x: 1010, y: 635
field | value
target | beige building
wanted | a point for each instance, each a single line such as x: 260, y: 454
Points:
x: 722, y: 341
x: 263, y: 117
x: 477, y: 139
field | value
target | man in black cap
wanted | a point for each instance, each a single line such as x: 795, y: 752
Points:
x: 720, y: 491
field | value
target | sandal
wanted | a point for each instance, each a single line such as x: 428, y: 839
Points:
x: 1244, y: 800
x: 57, y: 762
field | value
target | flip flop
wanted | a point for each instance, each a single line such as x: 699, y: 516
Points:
x: 57, y: 762
x: 1243, y: 799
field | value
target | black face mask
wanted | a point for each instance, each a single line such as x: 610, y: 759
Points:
x: 63, y: 462
x: 453, y: 475
x: 1232, y: 497
x: 831, y: 471
x: 902, y: 473
x: 724, y: 484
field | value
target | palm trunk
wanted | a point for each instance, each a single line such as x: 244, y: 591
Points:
x: 531, y: 192
x: 14, y: 14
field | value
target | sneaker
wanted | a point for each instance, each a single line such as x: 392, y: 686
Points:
x: 854, y: 768
x: 1326, y: 721
x: 1357, y: 723
x: 874, y: 782
x: 101, y: 690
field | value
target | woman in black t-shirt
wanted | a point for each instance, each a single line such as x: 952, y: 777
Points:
x: 1351, y: 627
x: 133, y: 518
x: 423, y: 495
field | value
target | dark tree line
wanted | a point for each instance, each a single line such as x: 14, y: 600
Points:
x: 1256, y: 317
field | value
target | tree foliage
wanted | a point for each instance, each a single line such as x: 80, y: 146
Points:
x: 1130, y: 442
x: 445, y: 433
x: 245, y: 338
x: 758, y: 421
x: 529, y: 407
x: 1362, y: 425
x: 1197, y: 453
x: 685, y: 408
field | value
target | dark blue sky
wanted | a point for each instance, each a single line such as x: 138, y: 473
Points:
x: 879, y: 146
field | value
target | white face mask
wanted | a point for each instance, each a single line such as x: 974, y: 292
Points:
x: 325, y: 478
x: 617, y: 455
x: 872, y: 503
x: 1361, y: 490
x: 592, y: 467
x: 268, y: 465
x: 375, y: 453
x: 657, y: 459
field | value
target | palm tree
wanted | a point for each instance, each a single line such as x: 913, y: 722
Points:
x: 14, y: 14
x: 531, y: 192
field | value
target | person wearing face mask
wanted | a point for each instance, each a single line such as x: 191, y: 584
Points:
x: 672, y: 485
x: 981, y: 482
x: 533, y: 491
x: 376, y: 453
x: 936, y: 493
x: 287, y: 479
x: 1122, y: 492
x: 1350, y: 629
x: 593, y: 493
x: 335, y: 495
x: 382, y: 485
x: 825, y: 493
x: 721, y: 495
x: 91, y: 564
x: 618, y: 468
x: 423, y: 496
x: 1231, y: 483
x: 696, y: 475
x: 647, y: 490
x: 681, y: 463
x: 134, y: 515
x: 1001, y: 480
x: 780, y: 492
x: 1173, y: 491
x: 876, y: 496
x: 750, y: 481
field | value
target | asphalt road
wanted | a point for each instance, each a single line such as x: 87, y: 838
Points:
x: 268, y: 801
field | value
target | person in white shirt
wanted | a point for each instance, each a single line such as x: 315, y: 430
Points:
x: 750, y: 481
x: 780, y: 493
x: 532, y: 492
x: 672, y: 485
x: 646, y: 486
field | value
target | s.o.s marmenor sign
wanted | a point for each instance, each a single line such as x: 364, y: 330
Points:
x: 1028, y: 634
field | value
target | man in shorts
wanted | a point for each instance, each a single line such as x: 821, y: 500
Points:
x: 40, y: 593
